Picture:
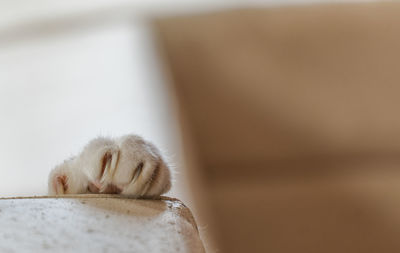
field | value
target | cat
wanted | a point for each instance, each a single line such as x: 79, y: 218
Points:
x: 127, y: 165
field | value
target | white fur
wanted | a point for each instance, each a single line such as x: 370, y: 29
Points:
x: 121, y: 159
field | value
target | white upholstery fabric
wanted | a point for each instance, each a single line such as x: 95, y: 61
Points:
x: 96, y: 223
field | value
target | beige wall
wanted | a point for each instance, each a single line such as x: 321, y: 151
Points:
x: 292, y: 115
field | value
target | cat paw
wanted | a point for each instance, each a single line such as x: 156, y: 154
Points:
x: 66, y: 178
x: 127, y: 165
x: 141, y: 170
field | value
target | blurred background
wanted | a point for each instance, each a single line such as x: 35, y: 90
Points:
x: 70, y: 71
x: 280, y: 117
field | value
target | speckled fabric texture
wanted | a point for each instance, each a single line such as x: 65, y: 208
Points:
x: 96, y: 223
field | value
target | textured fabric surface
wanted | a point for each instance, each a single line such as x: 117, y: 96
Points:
x: 96, y: 223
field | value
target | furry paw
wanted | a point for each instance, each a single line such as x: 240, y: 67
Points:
x: 127, y: 165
